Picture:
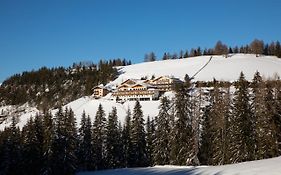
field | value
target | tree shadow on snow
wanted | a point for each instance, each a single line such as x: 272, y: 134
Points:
x: 151, y: 171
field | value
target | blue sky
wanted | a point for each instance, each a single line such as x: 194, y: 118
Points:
x: 59, y: 32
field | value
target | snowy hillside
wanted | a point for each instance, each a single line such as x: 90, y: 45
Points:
x: 221, y: 68
x: 90, y: 106
x: 260, y: 167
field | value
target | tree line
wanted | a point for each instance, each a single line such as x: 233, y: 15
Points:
x: 215, y: 127
x: 52, y: 87
x: 257, y: 47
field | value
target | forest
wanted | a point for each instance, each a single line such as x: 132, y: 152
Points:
x: 223, y: 125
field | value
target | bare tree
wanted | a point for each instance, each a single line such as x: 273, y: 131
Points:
x: 221, y: 49
x: 257, y: 47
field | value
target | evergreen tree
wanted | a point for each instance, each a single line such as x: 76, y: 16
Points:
x: 241, y: 123
x: 278, y: 49
x: 85, y: 152
x: 166, y: 56
x: 150, y: 57
x: 206, y: 140
x: 65, y: 143
x: 99, y: 134
x: 186, y: 55
x: 161, y: 153
x: 112, y: 143
x: 139, y: 157
x: 277, y: 114
x: 12, y: 147
x: 48, y: 139
x: 182, y: 141
x: 150, y: 130
x: 33, y: 146
x: 127, y: 141
x: 217, y: 128
x: 263, y: 113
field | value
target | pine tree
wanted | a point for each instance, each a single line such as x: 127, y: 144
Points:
x: 278, y: 49
x: 85, y: 152
x: 150, y: 130
x: 241, y: 123
x: 99, y: 131
x: 217, y: 128
x: 263, y: 113
x: 139, y: 157
x: 182, y: 143
x: 65, y: 143
x: 186, y: 55
x: 166, y: 56
x: 48, y: 139
x: 112, y: 143
x: 161, y: 153
x: 13, y: 155
x: 127, y: 141
x: 205, y: 143
x: 277, y: 114
x: 33, y: 146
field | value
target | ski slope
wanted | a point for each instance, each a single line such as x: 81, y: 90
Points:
x: 221, y: 68
x: 260, y: 167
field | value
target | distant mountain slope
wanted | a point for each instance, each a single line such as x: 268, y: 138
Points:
x: 260, y: 167
x: 221, y: 68
x: 227, y: 69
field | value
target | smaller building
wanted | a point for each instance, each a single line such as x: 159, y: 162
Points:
x: 100, y: 91
x: 164, y: 83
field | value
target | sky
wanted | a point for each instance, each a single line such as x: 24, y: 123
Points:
x: 36, y: 33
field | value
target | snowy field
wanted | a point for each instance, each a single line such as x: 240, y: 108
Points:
x: 260, y: 167
x: 227, y: 69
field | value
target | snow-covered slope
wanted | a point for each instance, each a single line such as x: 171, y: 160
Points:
x: 260, y: 167
x: 221, y: 68
x: 90, y: 106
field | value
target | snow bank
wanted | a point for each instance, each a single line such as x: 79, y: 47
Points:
x: 260, y: 167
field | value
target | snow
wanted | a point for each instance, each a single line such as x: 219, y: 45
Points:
x: 221, y: 68
x: 260, y: 167
x: 90, y: 106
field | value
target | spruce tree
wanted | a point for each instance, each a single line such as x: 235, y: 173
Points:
x: 265, y: 139
x: 13, y: 154
x: 32, y: 149
x: 127, y: 141
x: 242, y: 124
x: 217, y: 128
x: 150, y: 137
x: 161, y: 153
x: 65, y: 143
x: 205, y: 153
x: 277, y: 115
x: 182, y: 141
x: 112, y: 142
x: 85, y: 152
x: 48, y: 139
x: 99, y: 131
x: 139, y: 157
